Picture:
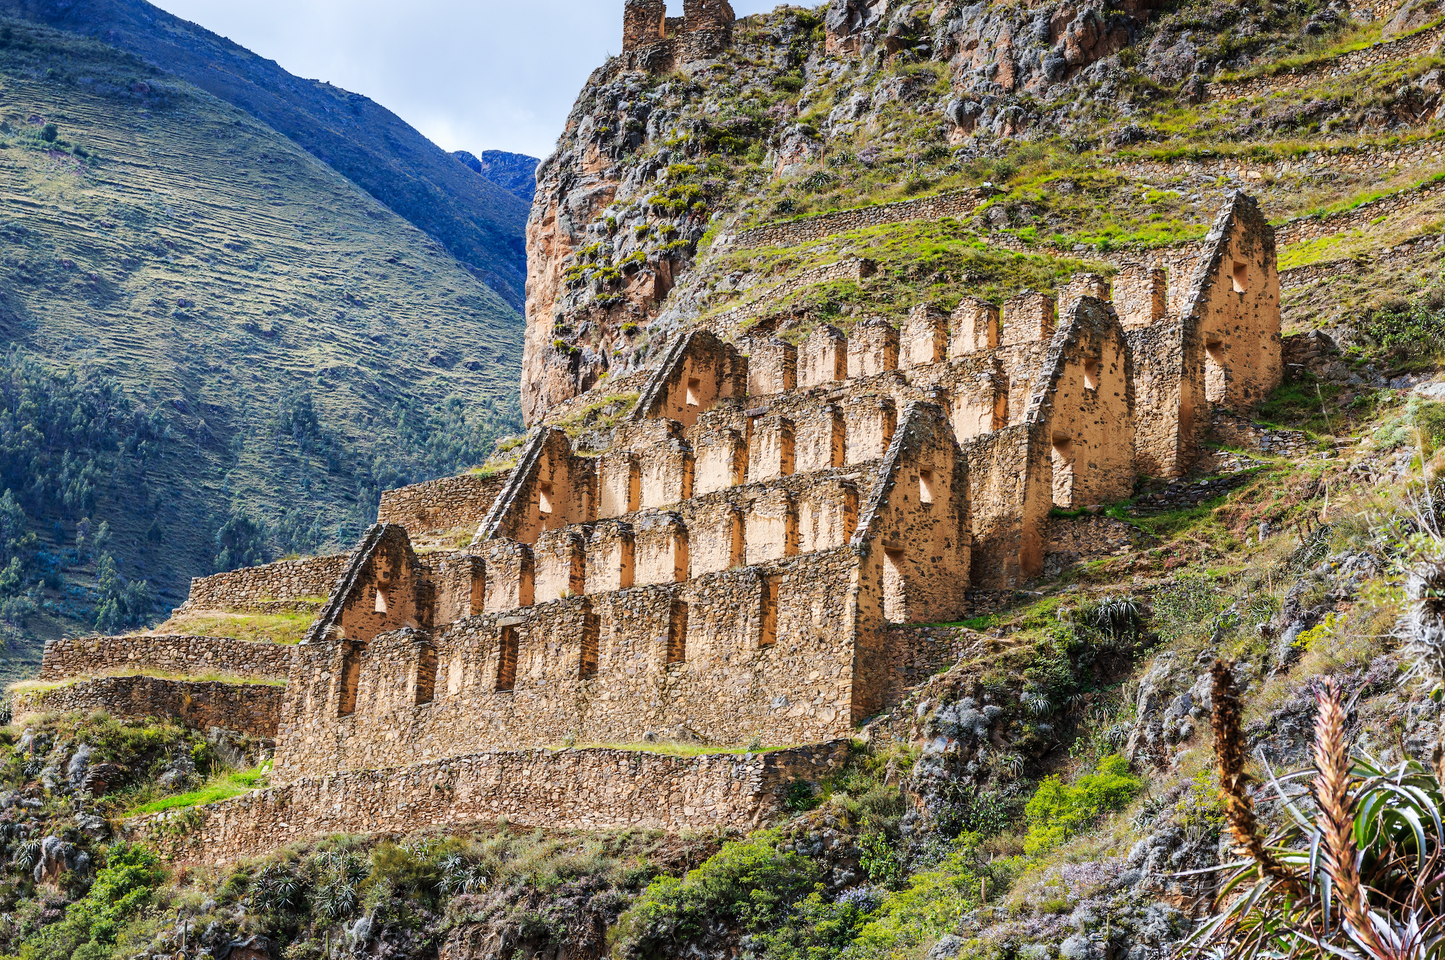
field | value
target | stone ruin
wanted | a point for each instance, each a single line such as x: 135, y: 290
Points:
x: 730, y: 569
x: 657, y: 43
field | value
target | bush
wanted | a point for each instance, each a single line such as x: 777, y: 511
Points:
x: 49, y: 133
x: 1058, y: 810
x: 746, y: 886
x: 90, y: 925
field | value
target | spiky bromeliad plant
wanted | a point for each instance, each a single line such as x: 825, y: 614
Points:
x: 1356, y: 871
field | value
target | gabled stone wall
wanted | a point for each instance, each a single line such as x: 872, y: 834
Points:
x: 764, y: 651
x: 1084, y: 403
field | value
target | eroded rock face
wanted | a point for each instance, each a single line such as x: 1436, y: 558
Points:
x: 652, y: 159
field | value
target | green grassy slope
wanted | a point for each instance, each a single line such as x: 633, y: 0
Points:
x: 301, y: 346
x: 481, y: 224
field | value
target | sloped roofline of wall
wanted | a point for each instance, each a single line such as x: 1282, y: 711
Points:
x: 522, y: 474
x: 1241, y: 207
x: 360, y: 557
x: 1089, y: 310
x: 672, y: 360
x: 913, y: 416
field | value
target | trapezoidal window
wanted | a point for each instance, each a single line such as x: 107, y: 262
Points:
x: 1063, y: 458
x: 1241, y: 277
x: 768, y: 634
x: 895, y: 587
x: 677, y: 634
x: 544, y: 499
x: 591, y: 635
x: 380, y: 600
x: 694, y: 392
x: 1091, y: 374
x: 927, y: 492
x: 426, y: 676
x: 1216, y: 372
x: 350, y: 680
x: 507, y: 660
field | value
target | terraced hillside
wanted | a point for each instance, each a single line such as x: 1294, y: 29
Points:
x: 279, y: 346
x: 480, y: 223
x: 673, y: 197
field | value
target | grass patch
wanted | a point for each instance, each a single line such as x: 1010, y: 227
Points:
x: 222, y: 787
x: 285, y: 628
x: 935, y: 262
x: 672, y: 749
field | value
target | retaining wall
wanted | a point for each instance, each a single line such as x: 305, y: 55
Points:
x: 1304, y: 229
x: 88, y: 656
x: 1372, y: 157
x: 253, y: 709
x: 597, y: 789
x: 957, y: 204
x: 1398, y: 256
x: 441, y: 506
x: 1386, y: 51
x: 729, y: 324
x: 261, y: 589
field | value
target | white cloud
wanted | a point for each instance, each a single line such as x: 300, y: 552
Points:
x: 478, y: 75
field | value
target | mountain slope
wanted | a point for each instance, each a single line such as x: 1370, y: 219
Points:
x: 515, y: 173
x: 279, y: 345
x: 1078, y: 130
x: 479, y: 223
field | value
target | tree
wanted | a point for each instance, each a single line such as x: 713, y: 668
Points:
x: 241, y: 542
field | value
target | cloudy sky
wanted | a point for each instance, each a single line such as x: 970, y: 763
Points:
x: 470, y: 74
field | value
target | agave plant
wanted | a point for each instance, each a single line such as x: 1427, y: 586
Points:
x: 27, y: 854
x: 277, y: 888
x: 1037, y: 704
x: 1355, y: 871
x: 1120, y: 618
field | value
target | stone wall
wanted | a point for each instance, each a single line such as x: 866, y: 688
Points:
x: 732, y: 324
x: 1403, y: 254
x: 1383, y: 52
x: 164, y: 654
x: 957, y: 204
x: 594, y: 789
x: 1075, y: 540
x: 253, y: 709
x: 1304, y: 229
x: 763, y: 651
x: 1344, y: 159
x: 260, y: 589
x: 1243, y: 434
x: 442, y: 506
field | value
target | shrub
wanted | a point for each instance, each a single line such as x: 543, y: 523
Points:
x: 90, y: 925
x: 747, y: 886
x: 1058, y: 810
x: 49, y: 133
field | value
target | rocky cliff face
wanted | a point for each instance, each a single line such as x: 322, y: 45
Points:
x: 849, y: 100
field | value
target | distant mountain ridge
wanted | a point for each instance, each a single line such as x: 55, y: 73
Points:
x: 480, y: 223
x: 214, y: 347
x: 515, y: 173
